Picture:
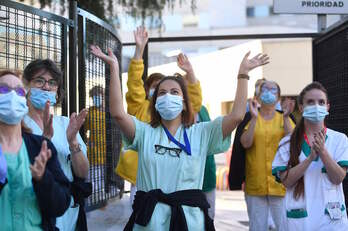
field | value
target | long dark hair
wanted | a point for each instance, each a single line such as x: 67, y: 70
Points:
x: 187, y: 113
x: 297, y: 138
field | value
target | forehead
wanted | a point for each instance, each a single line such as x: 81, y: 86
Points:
x: 11, y: 80
x: 269, y: 84
x: 314, y: 94
x: 43, y: 73
x: 169, y: 84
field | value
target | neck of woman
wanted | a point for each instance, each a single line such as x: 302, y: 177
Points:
x: 172, y: 125
x: 37, y: 115
x: 10, y: 137
x: 267, y: 111
x: 312, y: 128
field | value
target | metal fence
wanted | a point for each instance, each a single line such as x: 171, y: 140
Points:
x: 27, y: 33
x: 103, y: 136
x: 330, y: 67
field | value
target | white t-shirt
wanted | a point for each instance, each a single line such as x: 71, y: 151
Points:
x: 309, y: 212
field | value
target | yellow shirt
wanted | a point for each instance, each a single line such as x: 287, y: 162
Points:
x: 259, y: 157
x: 138, y: 106
x: 95, y: 124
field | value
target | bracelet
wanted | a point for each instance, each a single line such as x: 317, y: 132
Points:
x: 75, y: 149
x: 243, y: 76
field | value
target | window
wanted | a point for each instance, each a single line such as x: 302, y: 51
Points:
x: 259, y: 11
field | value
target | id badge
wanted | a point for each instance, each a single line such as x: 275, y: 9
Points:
x: 334, y: 209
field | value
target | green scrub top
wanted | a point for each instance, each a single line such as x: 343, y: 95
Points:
x: 171, y: 173
x: 19, y: 207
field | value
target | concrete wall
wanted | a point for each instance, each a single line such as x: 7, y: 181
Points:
x: 291, y: 64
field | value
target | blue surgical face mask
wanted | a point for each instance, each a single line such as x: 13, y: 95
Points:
x: 315, y: 113
x: 152, y: 90
x: 38, y: 98
x: 169, y: 106
x: 268, y: 97
x: 97, y: 100
x: 12, y: 108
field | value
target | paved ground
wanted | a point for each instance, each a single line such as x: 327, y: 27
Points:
x: 230, y: 214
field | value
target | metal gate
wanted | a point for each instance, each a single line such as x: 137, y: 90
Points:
x: 27, y: 33
x: 330, y: 67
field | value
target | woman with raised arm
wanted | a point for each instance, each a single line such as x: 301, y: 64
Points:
x: 139, y: 96
x: 312, y: 163
x: 260, y: 140
x: 172, y: 150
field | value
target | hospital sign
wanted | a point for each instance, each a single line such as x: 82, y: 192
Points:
x: 311, y: 6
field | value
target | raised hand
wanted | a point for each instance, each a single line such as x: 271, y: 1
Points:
x: 184, y: 63
x: 39, y: 166
x: 250, y: 64
x: 141, y: 37
x: 288, y: 106
x: 74, y: 126
x: 253, y: 108
x: 110, y: 59
x: 47, y: 122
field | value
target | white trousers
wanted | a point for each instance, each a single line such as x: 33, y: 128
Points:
x: 258, y: 210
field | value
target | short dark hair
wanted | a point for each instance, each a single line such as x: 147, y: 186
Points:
x: 187, y: 115
x: 46, y: 65
x: 96, y: 90
x: 151, y: 79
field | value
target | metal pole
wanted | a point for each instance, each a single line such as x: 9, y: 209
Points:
x: 322, y: 21
x: 72, y: 91
x: 146, y: 61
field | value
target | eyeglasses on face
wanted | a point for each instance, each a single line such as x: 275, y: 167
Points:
x: 20, y: 91
x: 273, y: 90
x: 39, y: 82
x: 161, y: 150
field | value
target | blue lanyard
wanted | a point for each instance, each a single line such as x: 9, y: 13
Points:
x: 186, y: 147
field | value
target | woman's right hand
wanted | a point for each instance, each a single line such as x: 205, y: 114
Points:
x: 250, y: 64
x: 110, y: 59
x: 313, y: 155
x: 254, y: 111
x: 39, y: 166
x: 47, y: 122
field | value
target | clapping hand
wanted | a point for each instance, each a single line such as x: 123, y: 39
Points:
x: 288, y: 106
x: 39, y: 166
x: 47, y: 122
x: 74, y: 126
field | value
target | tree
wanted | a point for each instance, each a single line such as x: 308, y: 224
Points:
x: 138, y: 9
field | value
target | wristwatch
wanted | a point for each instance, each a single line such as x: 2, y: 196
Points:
x: 243, y: 76
x: 75, y: 149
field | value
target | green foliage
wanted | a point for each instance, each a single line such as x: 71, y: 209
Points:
x: 138, y: 9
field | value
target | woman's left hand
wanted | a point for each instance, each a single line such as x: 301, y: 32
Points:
x: 288, y: 107
x: 39, y: 166
x: 74, y: 126
x: 319, y: 142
